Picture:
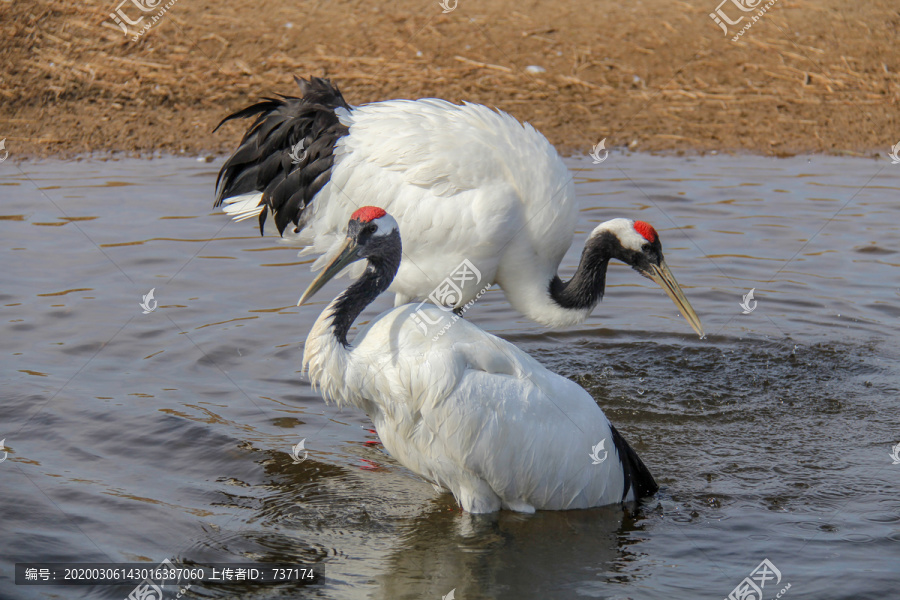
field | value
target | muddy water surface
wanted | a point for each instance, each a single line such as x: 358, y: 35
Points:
x: 139, y: 437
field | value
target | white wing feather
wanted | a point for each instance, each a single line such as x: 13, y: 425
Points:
x: 464, y: 183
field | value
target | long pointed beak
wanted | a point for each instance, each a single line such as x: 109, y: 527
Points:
x: 664, y: 278
x: 348, y: 253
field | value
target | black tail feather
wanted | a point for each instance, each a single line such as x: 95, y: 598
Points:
x: 268, y: 104
x: 266, y: 160
x: 637, y: 475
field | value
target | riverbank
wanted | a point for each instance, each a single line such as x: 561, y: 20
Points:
x: 650, y: 76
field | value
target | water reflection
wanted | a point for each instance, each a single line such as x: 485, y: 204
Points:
x: 507, y: 555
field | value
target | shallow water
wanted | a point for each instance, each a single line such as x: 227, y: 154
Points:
x: 140, y: 437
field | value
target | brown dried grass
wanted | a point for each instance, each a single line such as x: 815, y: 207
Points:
x: 652, y: 76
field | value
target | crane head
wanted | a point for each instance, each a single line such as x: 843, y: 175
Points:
x: 369, y: 233
x: 637, y: 244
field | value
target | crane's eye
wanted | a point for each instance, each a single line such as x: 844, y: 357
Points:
x: 370, y: 228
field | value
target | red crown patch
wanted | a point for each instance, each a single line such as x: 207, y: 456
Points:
x: 646, y: 230
x: 368, y: 213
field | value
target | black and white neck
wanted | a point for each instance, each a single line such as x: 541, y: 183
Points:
x: 558, y: 303
x: 377, y: 277
x: 373, y: 236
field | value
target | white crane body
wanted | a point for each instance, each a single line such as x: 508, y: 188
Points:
x: 467, y: 411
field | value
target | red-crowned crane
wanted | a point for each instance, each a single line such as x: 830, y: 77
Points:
x: 465, y: 183
x: 466, y: 410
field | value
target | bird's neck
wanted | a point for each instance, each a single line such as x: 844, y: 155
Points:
x: 585, y: 289
x: 543, y: 297
x: 377, y: 277
x: 327, y: 357
x: 383, y: 262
